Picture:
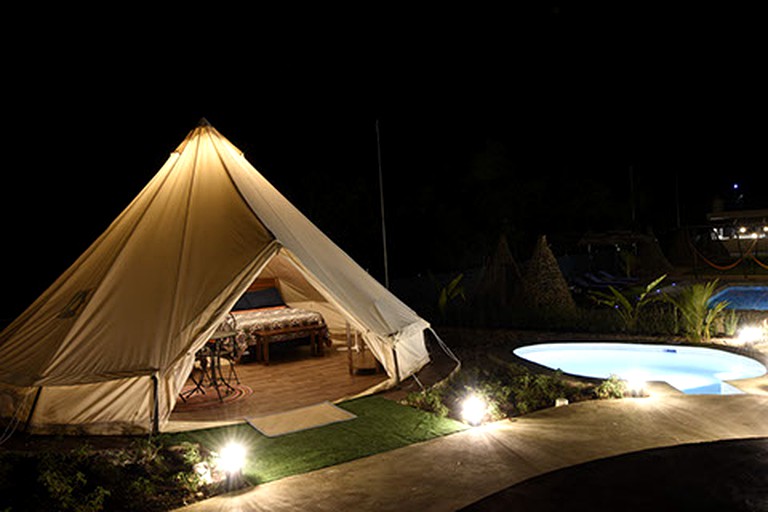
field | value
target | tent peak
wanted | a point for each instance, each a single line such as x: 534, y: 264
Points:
x: 203, y: 122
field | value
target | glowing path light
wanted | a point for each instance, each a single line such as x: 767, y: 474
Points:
x: 232, y: 458
x: 473, y: 409
x: 751, y: 334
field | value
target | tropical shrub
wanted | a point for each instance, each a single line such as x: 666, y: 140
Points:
x: 612, y: 387
x: 531, y: 392
x: 449, y: 293
x: 144, y: 476
x: 430, y: 400
x: 730, y: 322
x: 628, y: 303
x: 697, y: 314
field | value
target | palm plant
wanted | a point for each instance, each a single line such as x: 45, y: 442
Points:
x: 448, y: 293
x: 693, y: 303
x: 628, y: 303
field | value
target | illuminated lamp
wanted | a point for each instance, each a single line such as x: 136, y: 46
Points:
x: 636, y: 383
x: 231, y: 459
x: 473, y: 409
x: 750, y: 334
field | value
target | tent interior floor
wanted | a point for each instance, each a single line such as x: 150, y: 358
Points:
x: 293, y: 378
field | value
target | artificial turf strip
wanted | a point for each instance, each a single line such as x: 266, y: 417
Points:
x: 381, y: 425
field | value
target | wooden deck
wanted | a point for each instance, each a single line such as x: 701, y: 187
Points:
x: 294, y: 378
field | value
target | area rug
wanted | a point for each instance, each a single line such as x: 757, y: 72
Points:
x: 303, y: 418
x: 210, y: 399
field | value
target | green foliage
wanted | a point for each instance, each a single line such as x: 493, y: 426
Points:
x: 730, y: 322
x: 612, y: 387
x: 143, y: 452
x: 628, y: 304
x: 381, y: 425
x: 509, y: 389
x: 190, y: 452
x: 142, y: 476
x: 537, y: 391
x: 449, y: 293
x: 697, y: 315
x: 64, y: 478
x: 141, y: 486
x: 429, y: 400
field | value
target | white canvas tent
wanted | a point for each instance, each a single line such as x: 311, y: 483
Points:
x: 108, y: 346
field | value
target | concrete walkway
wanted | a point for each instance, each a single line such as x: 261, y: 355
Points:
x: 454, y: 471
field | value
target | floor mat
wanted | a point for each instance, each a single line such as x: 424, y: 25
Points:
x: 303, y: 418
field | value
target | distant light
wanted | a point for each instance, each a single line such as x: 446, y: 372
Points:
x: 231, y: 458
x: 735, y: 186
x: 473, y: 409
x: 742, y: 230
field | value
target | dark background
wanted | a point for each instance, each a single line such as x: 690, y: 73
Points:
x: 548, y: 120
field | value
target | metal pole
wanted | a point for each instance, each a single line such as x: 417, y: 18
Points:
x: 381, y: 201
x: 155, y: 405
x: 677, y: 199
x: 32, y: 409
x: 632, y: 192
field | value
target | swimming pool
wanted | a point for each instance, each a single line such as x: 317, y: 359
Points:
x: 743, y: 297
x: 692, y: 370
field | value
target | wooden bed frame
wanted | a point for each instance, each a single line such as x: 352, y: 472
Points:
x: 263, y: 340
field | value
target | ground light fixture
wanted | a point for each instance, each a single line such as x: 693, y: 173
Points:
x: 636, y: 382
x: 751, y: 334
x: 231, y: 459
x: 473, y: 409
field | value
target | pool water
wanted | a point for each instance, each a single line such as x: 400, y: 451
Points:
x: 743, y: 297
x: 692, y: 370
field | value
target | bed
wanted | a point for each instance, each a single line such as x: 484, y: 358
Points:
x: 260, y: 317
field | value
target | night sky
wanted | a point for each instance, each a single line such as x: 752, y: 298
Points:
x: 528, y: 121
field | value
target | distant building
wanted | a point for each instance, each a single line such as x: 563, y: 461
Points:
x: 741, y: 232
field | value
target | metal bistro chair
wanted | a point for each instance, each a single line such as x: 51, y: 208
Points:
x: 201, y: 371
x: 226, y: 349
x: 207, y: 370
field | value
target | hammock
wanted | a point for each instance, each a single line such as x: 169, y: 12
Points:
x: 749, y: 253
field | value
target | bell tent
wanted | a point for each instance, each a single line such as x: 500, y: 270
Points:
x: 108, y: 346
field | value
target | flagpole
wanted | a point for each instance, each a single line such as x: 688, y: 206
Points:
x: 381, y: 202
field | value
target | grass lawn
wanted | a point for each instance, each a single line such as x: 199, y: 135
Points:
x: 380, y: 425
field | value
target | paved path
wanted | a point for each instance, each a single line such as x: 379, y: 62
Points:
x: 454, y: 471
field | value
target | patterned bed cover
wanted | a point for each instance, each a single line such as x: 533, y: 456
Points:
x: 257, y: 327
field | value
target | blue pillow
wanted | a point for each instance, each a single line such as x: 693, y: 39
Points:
x: 269, y: 297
